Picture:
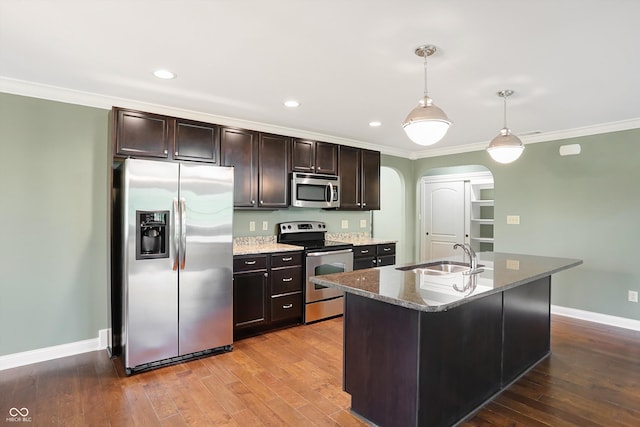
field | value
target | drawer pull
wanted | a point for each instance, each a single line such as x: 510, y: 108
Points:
x: 287, y: 306
x: 285, y: 259
x: 287, y: 279
x: 250, y: 262
x: 365, y: 251
x: 386, y: 249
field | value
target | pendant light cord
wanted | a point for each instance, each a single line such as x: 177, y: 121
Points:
x: 426, y: 91
x: 504, y: 99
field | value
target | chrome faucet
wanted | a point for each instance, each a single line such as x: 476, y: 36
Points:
x: 473, y: 258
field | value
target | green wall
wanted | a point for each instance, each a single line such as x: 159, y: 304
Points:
x: 585, y: 206
x: 53, y: 223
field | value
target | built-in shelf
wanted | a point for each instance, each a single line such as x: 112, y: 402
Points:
x: 482, y: 215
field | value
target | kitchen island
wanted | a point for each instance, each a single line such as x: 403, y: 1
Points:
x: 419, y: 352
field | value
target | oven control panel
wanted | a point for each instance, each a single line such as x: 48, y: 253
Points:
x: 301, y: 227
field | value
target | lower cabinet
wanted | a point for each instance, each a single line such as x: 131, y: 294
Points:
x: 369, y: 256
x: 267, y: 292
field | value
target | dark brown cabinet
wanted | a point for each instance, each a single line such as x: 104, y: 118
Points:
x: 273, y: 171
x: 267, y: 292
x: 359, y: 179
x: 239, y: 148
x: 141, y: 134
x: 261, y: 167
x: 369, y: 256
x: 250, y: 293
x: 196, y: 141
x: 144, y: 135
x: 314, y: 157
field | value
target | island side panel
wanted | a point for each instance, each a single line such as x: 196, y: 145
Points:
x: 460, y: 360
x: 381, y: 360
x: 527, y: 322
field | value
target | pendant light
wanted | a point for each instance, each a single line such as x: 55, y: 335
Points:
x: 426, y: 124
x: 506, y: 147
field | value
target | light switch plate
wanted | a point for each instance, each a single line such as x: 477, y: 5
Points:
x: 265, y: 225
x: 252, y: 226
x: 513, y: 264
x: 633, y: 296
x: 345, y: 223
x: 513, y: 219
x: 363, y: 223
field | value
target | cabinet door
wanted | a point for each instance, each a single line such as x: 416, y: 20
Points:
x: 250, y: 299
x: 302, y: 156
x: 273, y: 171
x: 142, y: 134
x: 239, y: 148
x: 349, y: 177
x: 370, y: 180
x: 196, y: 141
x: 326, y: 158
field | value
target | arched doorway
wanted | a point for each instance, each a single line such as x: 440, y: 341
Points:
x: 388, y: 223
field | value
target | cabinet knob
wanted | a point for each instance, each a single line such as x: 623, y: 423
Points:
x: 253, y: 202
x: 358, y: 204
x: 175, y: 154
x: 266, y: 274
x: 364, y: 204
x: 166, y: 151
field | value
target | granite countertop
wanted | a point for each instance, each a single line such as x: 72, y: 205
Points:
x: 260, y: 245
x: 426, y: 292
x: 358, y: 239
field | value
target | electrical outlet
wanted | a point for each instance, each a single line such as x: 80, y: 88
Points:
x: 252, y: 226
x: 265, y: 225
x: 345, y: 224
x: 513, y: 219
x: 633, y: 296
x: 363, y: 223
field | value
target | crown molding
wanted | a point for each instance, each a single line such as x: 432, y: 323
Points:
x: 96, y: 100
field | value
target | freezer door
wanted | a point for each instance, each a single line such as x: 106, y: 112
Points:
x: 150, y: 297
x: 206, y: 263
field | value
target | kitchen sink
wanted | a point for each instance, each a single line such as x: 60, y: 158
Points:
x: 438, y: 267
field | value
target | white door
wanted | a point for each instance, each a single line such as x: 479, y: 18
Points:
x: 443, y: 218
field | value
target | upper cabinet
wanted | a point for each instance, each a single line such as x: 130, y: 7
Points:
x: 140, y: 134
x: 314, y: 157
x: 239, y: 148
x: 359, y: 179
x: 261, y: 167
x: 273, y: 171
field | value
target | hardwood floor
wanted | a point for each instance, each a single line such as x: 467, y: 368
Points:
x: 294, y: 377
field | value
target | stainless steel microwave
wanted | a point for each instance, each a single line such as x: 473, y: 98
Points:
x: 315, y: 191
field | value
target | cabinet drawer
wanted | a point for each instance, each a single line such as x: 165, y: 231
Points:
x: 386, y: 249
x: 386, y: 260
x: 286, y: 259
x: 364, y: 251
x: 249, y: 263
x: 286, y: 280
x: 286, y: 307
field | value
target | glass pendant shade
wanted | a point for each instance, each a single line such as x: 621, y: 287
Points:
x: 506, y: 147
x: 426, y: 124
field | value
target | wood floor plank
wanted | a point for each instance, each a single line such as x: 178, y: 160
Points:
x: 294, y: 377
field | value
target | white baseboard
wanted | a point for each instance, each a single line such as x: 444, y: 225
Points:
x: 605, y: 319
x: 49, y: 353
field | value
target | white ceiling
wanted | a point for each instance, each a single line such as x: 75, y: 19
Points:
x: 573, y: 64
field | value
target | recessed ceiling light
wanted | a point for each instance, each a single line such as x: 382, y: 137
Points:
x: 164, y: 74
x: 291, y: 103
x: 375, y: 124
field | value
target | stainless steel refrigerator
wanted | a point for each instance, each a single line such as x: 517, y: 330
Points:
x: 176, y: 252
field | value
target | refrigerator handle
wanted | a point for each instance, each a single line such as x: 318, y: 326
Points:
x: 176, y: 235
x: 183, y: 233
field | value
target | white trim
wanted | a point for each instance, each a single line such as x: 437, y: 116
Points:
x: 71, y: 96
x: 590, y: 316
x: 49, y: 353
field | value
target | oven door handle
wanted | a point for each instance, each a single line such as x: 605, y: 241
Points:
x: 341, y: 251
